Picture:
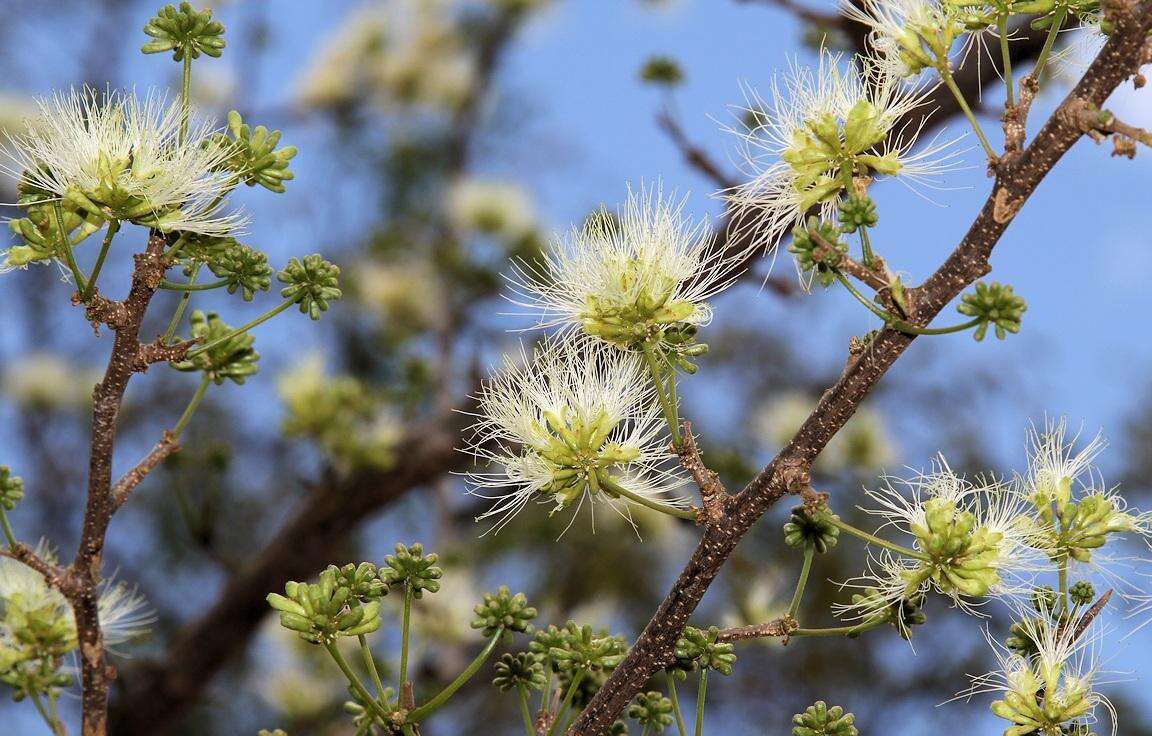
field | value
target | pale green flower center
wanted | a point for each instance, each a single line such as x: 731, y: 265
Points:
x: 1043, y: 703
x: 638, y: 306
x: 579, y: 456
x: 826, y: 152
x: 963, y: 557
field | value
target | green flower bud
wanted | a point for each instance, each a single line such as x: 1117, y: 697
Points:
x: 857, y: 212
x: 11, y: 488
x: 820, y: 720
x: 245, y: 269
x: 963, y: 557
x: 519, y: 670
x: 573, y: 648
x: 255, y: 158
x: 414, y: 570
x: 1044, y: 599
x: 806, y: 527
x: 994, y: 304
x: 277, y: 732
x: 817, y: 246
x: 184, y: 31
x: 362, y: 580
x: 1020, y: 640
x: 312, y: 283
x: 503, y: 612
x: 233, y: 359
x: 702, y: 649
x: 652, y: 711
x: 1082, y: 593
x: 322, y: 611
x: 902, y: 615
x: 662, y: 70
x: 198, y: 249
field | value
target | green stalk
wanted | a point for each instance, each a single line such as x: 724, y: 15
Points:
x: 950, y: 83
x: 113, y: 228
x: 675, y: 704
x: 53, y: 723
x: 899, y: 324
x: 571, y: 693
x: 185, y: 97
x: 841, y: 630
x: 354, y: 681
x: 809, y: 553
x: 873, y: 539
x: 450, y: 689
x: 370, y: 665
x: 8, y: 535
x: 69, y: 256
x: 611, y: 484
x: 866, y: 247
x: 670, y: 410
x: 1062, y: 576
x: 525, y: 711
x: 1049, y: 42
x: 192, y: 406
x: 178, y: 316
x: 242, y: 328
x: 1005, y: 58
x: 405, y: 627
x: 701, y: 693
x: 171, y: 286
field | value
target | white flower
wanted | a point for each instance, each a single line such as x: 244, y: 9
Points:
x: 908, y: 35
x: 117, y: 156
x: 970, y: 543
x: 123, y: 613
x: 408, y: 293
x: 335, y: 74
x: 495, y: 208
x: 823, y: 133
x: 43, y: 380
x: 574, y: 421
x: 627, y: 279
x: 1051, y: 689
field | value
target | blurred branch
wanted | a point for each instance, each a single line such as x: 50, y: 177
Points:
x: 1015, y: 180
x: 802, y: 12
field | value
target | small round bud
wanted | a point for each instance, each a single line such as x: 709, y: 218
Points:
x: 817, y: 247
x: 11, y: 488
x: 700, y: 648
x: 519, y: 670
x: 503, y: 612
x: 1044, y: 598
x: 411, y: 568
x: 820, y: 720
x: 185, y: 32
x: 652, y: 711
x: 1082, y: 593
x: 806, y: 526
x: 857, y: 212
x: 994, y: 304
x: 662, y: 70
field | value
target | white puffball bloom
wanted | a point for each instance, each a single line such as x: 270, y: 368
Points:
x: 120, y: 156
x: 819, y: 133
x: 624, y: 278
x: 572, y: 422
x: 864, y: 445
x: 496, y: 208
x: 407, y: 293
x: 47, y: 381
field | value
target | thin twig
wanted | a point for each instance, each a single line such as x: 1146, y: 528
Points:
x: 158, y: 454
x: 713, y: 496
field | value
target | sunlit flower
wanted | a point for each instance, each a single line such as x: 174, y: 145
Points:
x: 826, y: 132
x: 567, y: 424
x: 121, y: 157
x: 1049, y: 691
x: 970, y: 543
x: 642, y: 276
x: 908, y: 35
x: 864, y: 445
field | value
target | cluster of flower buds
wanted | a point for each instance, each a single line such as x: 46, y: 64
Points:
x: 652, y: 710
x: 702, y: 648
x: 322, y: 611
x: 185, y: 32
x: 232, y: 358
x: 503, y: 612
x: 811, y: 527
x: 253, y: 156
x: 963, y: 554
x: 521, y: 670
x: 996, y: 306
x: 11, y: 488
x: 819, y: 249
x: 820, y: 720
x: 412, y: 570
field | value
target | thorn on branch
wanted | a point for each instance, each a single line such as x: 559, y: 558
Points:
x: 713, y: 496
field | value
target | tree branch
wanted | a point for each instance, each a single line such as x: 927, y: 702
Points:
x: 1117, y: 61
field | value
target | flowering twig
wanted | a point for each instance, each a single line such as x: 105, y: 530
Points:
x: 1117, y: 61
